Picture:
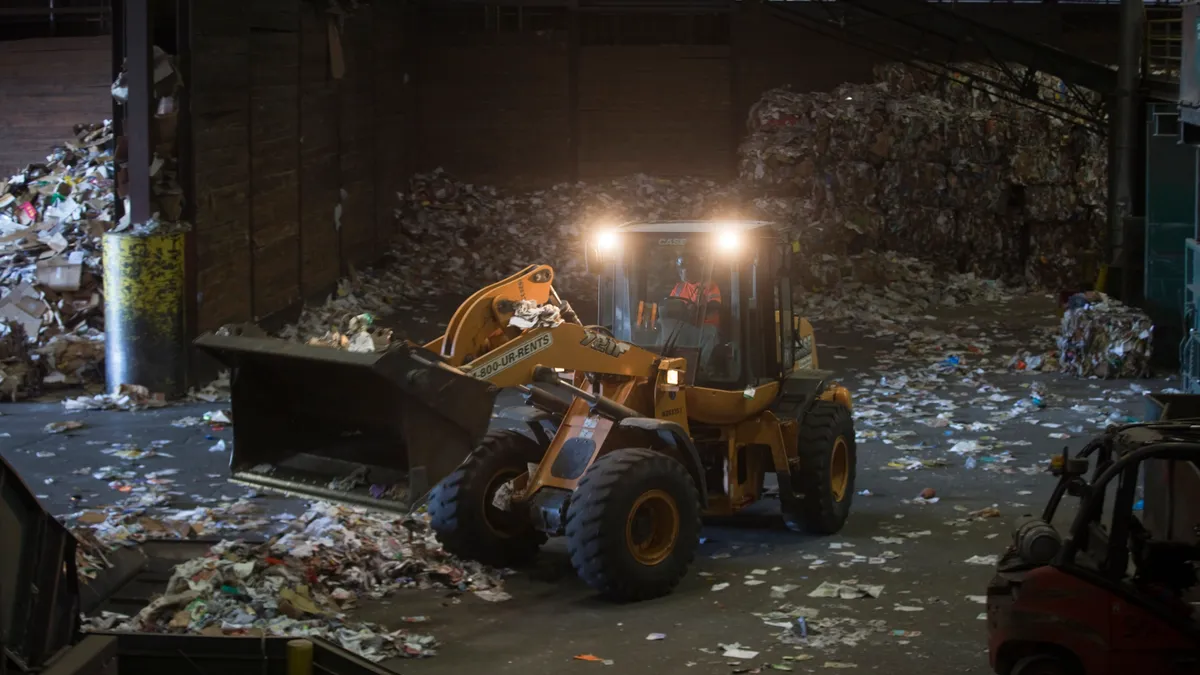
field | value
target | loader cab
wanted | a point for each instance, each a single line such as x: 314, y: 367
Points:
x: 706, y: 291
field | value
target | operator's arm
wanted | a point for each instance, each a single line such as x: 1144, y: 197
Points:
x: 713, y: 304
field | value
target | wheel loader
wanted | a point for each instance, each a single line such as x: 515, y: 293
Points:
x: 695, y: 381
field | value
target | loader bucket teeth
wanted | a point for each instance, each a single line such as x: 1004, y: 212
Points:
x: 372, y: 429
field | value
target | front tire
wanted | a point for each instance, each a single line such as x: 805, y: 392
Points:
x: 825, y: 478
x: 461, y: 511
x: 634, y: 524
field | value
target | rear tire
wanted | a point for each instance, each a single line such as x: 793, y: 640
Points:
x: 1042, y: 664
x: 634, y: 524
x: 824, y: 481
x: 461, y: 510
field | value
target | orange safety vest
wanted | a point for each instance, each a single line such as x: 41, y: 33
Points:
x: 692, y: 291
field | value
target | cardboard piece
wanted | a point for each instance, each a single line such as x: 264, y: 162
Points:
x: 59, y: 276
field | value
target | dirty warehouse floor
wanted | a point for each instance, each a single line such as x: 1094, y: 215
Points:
x: 972, y: 431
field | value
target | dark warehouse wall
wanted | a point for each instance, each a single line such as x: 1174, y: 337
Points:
x: 501, y: 110
x: 295, y: 170
x: 47, y: 85
x: 663, y: 111
x: 502, y: 94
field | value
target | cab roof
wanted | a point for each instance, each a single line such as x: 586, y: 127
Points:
x: 695, y: 226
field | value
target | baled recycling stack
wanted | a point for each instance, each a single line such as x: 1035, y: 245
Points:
x: 1101, y: 337
x: 933, y: 169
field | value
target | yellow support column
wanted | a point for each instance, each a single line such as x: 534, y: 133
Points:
x: 299, y: 657
x: 143, y: 311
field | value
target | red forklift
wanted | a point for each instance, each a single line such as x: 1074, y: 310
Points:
x: 1112, y: 596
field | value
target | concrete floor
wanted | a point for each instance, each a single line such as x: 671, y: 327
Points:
x: 553, y: 617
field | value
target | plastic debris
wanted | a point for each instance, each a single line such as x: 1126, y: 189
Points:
x: 737, y: 651
x: 528, y: 314
x: 848, y: 590
x: 63, y: 426
x: 127, y: 397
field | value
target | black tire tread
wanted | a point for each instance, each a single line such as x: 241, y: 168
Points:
x: 595, y: 556
x: 815, y: 511
x: 457, y: 526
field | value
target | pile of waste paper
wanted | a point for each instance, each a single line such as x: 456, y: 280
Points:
x: 303, y: 582
x: 455, y: 234
x: 933, y: 169
x: 102, y: 530
x: 18, y: 370
x: 1101, y: 337
x: 873, y: 288
x: 52, y: 217
x: 358, y: 334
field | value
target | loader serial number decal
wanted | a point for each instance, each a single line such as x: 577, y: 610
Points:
x: 511, y: 357
x: 603, y: 344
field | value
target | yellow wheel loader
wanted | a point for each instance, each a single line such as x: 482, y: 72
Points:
x: 695, y: 382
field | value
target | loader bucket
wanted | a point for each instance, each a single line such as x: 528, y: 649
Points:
x: 372, y: 429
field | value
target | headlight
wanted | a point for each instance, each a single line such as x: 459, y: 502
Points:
x: 606, y: 241
x: 729, y: 241
x: 673, y: 377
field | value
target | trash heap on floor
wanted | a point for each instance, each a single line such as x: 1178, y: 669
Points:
x: 933, y: 169
x: 52, y: 216
x: 302, y: 584
x: 1101, y: 337
x: 353, y: 333
x: 873, y: 288
x: 454, y: 234
x: 103, y: 530
x: 18, y: 370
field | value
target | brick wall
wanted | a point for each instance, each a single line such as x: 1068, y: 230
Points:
x: 281, y: 147
x: 47, y: 85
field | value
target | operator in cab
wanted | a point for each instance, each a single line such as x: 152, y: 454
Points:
x: 695, y: 286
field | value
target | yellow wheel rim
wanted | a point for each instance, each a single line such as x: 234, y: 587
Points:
x: 839, y: 468
x: 503, y: 524
x: 652, y: 527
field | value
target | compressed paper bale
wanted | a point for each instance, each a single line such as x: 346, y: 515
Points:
x: 1101, y: 337
x: 947, y: 160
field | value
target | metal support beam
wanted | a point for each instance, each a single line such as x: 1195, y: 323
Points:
x: 1004, y: 83
x: 139, y: 62
x: 1124, y: 152
x: 52, y: 12
x: 574, y: 142
x: 1004, y: 45
x: 118, y: 110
